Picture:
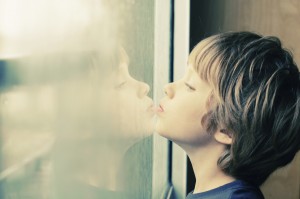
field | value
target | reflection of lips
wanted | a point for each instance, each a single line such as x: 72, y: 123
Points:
x: 160, y: 109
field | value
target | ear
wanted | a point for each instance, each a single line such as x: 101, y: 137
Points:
x: 223, y: 136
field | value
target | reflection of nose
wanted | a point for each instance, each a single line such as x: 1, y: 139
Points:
x: 143, y: 89
x: 169, y: 91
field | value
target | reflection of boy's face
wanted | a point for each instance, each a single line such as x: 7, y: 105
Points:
x: 131, y: 108
x: 181, y: 110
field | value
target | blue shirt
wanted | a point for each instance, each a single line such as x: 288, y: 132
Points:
x: 234, y: 190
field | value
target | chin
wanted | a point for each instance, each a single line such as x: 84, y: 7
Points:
x: 158, y: 129
x: 163, y: 132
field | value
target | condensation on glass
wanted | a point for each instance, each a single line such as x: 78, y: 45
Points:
x: 75, y: 113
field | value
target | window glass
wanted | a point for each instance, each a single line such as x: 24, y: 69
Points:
x: 76, y: 111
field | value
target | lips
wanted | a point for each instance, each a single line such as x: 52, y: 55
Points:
x: 160, y: 109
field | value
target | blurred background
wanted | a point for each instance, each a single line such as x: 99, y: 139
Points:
x: 76, y: 110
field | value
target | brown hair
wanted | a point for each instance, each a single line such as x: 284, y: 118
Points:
x: 256, y: 93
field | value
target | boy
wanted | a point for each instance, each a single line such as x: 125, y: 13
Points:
x: 235, y: 113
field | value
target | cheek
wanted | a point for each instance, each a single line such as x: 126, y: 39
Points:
x: 181, y: 123
x: 129, y: 105
x: 131, y: 114
x: 178, y: 125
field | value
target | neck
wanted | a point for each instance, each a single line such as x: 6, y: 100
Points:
x: 204, y: 162
x: 106, y: 174
x: 103, y: 171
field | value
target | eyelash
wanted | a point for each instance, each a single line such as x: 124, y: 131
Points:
x: 190, y: 88
x: 119, y: 86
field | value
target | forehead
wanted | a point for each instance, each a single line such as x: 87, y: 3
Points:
x: 206, y: 59
x: 201, y: 52
x: 189, y: 71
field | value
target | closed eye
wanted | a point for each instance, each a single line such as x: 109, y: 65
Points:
x: 189, y: 87
x: 119, y: 86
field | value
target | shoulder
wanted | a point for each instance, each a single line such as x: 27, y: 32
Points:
x: 246, y: 191
x: 234, y: 190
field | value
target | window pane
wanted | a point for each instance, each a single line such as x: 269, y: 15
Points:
x: 76, y: 105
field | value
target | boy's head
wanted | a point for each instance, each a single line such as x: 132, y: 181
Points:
x: 255, y: 100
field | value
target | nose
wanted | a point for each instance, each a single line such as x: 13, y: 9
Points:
x: 143, y: 89
x: 169, y: 91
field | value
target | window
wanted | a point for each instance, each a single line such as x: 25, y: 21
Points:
x: 74, y: 81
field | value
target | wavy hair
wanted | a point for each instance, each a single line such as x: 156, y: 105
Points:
x: 256, y: 94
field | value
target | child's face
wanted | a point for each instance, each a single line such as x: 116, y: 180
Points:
x: 182, y: 109
x: 130, y: 109
x: 135, y: 111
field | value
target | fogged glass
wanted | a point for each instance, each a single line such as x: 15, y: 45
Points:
x: 75, y: 100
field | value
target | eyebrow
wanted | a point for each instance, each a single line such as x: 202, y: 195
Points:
x: 188, y: 85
